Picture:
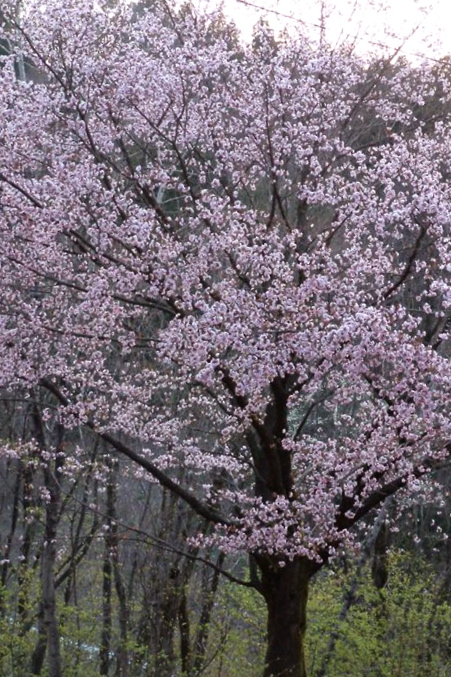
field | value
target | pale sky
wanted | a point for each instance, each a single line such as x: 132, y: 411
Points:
x: 390, y: 22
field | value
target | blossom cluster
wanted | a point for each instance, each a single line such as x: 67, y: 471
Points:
x: 236, y: 258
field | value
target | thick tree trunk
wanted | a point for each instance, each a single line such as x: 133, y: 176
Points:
x: 285, y: 590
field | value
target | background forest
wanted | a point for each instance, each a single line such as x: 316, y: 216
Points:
x: 132, y: 600
x: 168, y: 448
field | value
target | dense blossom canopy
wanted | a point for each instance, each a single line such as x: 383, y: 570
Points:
x: 231, y: 260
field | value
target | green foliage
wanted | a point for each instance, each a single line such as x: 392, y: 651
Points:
x: 79, y: 630
x: 402, y: 630
x: 238, y: 633
x: 16, y: 641
x: 19, y: 634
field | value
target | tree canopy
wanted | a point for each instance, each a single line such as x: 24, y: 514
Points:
x: 232, y: 260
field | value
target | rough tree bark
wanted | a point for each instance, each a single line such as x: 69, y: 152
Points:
x: 285, y: 589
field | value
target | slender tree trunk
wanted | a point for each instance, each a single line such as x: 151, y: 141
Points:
x: 107, y: 620
x: 184, y: 630
x: 48, y: 572
x: 105, y: 642
x: 285, y: 589
x: 52, y: 470
x: 201, y: 642
x: 38, y: 655
x: 12, y: 531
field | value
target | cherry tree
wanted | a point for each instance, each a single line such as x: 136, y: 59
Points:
x: 233, y: 260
